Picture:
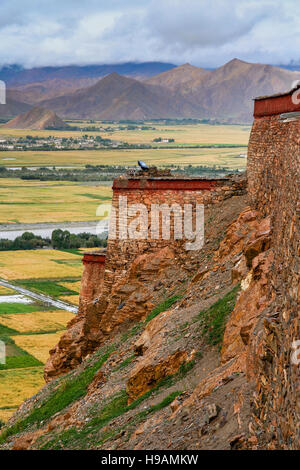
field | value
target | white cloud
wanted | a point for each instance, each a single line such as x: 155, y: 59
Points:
x: 203, y: 32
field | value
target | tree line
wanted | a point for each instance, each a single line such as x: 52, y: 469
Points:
x: 60, y: 239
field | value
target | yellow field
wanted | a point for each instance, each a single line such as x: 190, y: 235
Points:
x: 37, y: 264
x: 226, y: 157
x: 5, y: 414
x: 16, y: 385
x: 38, y: 345
x: 6, y: 291
x: 37, y: 321
x: 192, y: 134
x: 38, y: 202
x: 75, y: 286
x: 72, y: 299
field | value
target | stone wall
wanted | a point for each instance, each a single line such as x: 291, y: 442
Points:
x: 92, y: 277
x: 149, y: 191
x: 123, y: 294
x: 274, y: 189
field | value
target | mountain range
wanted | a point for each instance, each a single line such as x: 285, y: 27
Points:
x: 137, y: 93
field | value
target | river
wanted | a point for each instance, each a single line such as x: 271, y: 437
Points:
x: 12, y: 231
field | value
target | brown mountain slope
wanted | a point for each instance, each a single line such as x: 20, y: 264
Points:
x: 36, y: 118
x: 116, y: 97
x: 228, y: 91
x: 33, y: 93
x: 178, y: 76
x: 13, y: 106
x: 92, y: 101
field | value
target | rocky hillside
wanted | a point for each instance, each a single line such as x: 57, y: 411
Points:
x: 175, y: 376
x: 36, y: 118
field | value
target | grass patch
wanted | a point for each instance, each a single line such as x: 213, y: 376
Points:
x: 116, y: 407
x: 214, y: 319
x: 113, y: 409
x: 162, y: 308
x: 7, y: 307
x: 73, y: 251
x: 5, y: 330
x: 96, y: 196
x: 165, y: 305
x: 20, y: 362
x: 48, y: 287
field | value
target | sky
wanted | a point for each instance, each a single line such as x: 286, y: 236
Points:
x: 205, y: 33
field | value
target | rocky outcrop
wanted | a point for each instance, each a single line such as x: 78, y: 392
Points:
x: 130, y: 301
x: 157, y: 357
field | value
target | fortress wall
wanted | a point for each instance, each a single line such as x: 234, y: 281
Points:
x: 92, y: 277
x: 274, y: 189
x: 148, y: 191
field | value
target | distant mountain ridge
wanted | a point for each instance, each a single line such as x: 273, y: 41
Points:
x: 16, y: 76
x: 224, y: 94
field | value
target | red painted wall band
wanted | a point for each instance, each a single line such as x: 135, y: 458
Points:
x: 277, y: 105
x: 89, y: 258
x: 174, y: 184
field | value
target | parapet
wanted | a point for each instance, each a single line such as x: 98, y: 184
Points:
x: 279, y: 103
x: 94, y: 257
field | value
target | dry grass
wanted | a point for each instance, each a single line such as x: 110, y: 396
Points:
x: 37, y: 321
x: 37, y: 264
x: 16, y: 385
x: 38, y: 345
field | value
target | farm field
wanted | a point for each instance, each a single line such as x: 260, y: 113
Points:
x: 49, y: 201
x: 225, y: 157
x: 183, y: 134
x: 30, y: 330
x: 38, y: 264
x: 192, y: 134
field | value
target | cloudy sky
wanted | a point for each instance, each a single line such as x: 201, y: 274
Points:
x: 203, y: 32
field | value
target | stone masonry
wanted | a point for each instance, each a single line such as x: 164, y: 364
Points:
x: 274, y: 189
